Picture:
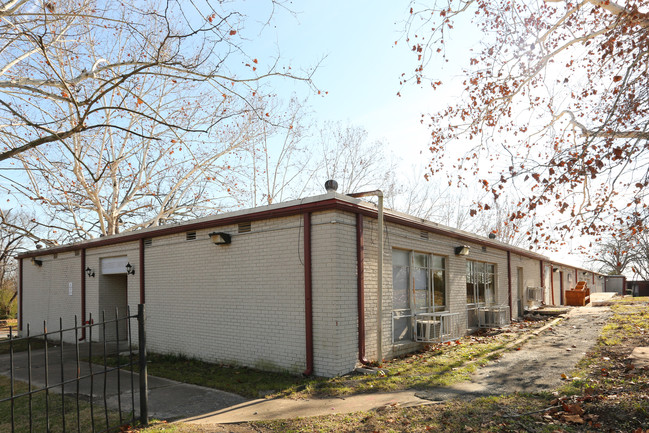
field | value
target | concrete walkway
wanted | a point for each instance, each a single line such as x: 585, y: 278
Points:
x: 168, y: 399
x: 537, y: 366
x: 280, y: 408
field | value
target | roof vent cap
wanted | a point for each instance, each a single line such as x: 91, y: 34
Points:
x: 331, y: 185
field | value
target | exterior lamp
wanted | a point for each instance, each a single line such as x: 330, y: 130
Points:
x: 130, y: 270
x: 555, y: 269
x: 584, y: 273
x: 220, y: 238
x: 462, y: 250
x: 37, y: 262
x: 90, y: 272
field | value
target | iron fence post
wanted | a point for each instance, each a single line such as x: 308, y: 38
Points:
x: 144, y: 397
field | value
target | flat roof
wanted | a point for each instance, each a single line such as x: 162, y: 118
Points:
x: 323, y: 202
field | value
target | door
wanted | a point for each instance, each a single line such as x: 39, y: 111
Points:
x: 521, y: 292
x: 547, y: 284
x: 475, y: 292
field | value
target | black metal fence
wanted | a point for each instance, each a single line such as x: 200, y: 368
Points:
x: 81, y: 378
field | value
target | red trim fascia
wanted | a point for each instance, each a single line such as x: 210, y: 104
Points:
x: 20, y: 294
x: 308, y: 295
x: 256, y: 216
x: 141, y: 270
x: 576, y: 277
x: 83, y: 294
x: 509, y: 282
x: 360, y: 287
x: 329, y: 204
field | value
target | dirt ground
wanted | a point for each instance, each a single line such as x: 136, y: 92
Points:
x: 540, y: 363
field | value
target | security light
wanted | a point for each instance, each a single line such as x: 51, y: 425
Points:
x: 90, y: 272
x: 220, y: 238
x: 462, y: 250
x: 130, y: 270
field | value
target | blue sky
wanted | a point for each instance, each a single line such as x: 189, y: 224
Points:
x: 360, y: 67
x: 360, y: 70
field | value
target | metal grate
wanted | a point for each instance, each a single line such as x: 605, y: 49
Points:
x: 245, y: 227
x: 190, y: 236
x: 437, y: 327
x: 423, y: 235
x: 494, y: 316
x: 148, y: 242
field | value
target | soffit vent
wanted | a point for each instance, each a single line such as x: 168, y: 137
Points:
x: 423, y: 235
x: 148, y: 242
x: 245, y: 227
x: 190, y: 236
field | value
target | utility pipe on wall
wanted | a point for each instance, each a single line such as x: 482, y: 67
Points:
x: 379, y: 307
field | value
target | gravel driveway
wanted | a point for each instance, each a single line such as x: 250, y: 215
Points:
x: 539, y: 363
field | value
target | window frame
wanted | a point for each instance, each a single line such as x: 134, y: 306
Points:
x: 431, y: 268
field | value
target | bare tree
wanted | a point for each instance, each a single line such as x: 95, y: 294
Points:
x: 280, y: 165
x: 69, y: 67
x: 12, y: 239
x: 354, y: 162
x: 141, y: 105
x: 554, y: 105
x: 614, y: 254
x: 639, y: 262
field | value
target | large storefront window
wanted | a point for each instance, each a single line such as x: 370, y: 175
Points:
x: 418, y: 286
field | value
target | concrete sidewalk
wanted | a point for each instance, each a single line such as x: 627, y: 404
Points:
x: 280, y: 408
x: 548, y: 355
x: 168, y: 399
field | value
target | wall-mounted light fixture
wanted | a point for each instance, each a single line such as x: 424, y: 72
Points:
x: 462, y: 250
x: 584, y: 273
x: 220, y: 238
x: 90, y: 272
x: 600, y: 277
x: 555, y: 269
x: 130, y: 270
x: 37, y: 262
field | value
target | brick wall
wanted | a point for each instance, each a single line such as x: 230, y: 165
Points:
x: 46, y: 293
x: 410, y: 239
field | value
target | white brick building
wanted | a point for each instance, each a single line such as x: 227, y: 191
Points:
x: 296, y: 287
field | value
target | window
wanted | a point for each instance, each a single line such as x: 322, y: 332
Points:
x: 480, y: 282
x: 418, y: 285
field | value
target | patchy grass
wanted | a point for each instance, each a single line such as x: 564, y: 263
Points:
x: 39, y: 420
x: 604, y: 393
x: 436, y: 365
x: 244, y: 381
x: 20, y: 345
